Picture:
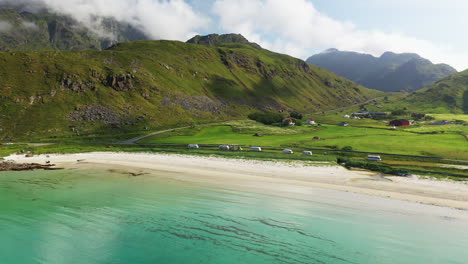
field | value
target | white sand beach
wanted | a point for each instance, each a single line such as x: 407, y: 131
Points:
x: 264, y: 175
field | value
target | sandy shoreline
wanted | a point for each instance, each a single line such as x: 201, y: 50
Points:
x: 262, y: 174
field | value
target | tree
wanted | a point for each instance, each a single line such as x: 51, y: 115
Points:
x: 296, y: 115
x: 266, y: 118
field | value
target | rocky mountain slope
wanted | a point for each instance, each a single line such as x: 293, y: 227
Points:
x: 213, y: 40
x: 42, y: 30
x: 148, y: 84
x: 390, y: 72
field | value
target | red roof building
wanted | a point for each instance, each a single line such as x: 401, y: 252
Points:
x: 400, y: 122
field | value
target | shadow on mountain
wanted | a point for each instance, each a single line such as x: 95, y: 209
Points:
x: 465, y: 102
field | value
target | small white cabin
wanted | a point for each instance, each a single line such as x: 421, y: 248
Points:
x: 288, y: 151
x: 224, y: 147
x: 193, y: 146
x: 258, y: 149
x: 374, y: 158
x: 311, y: 121
x: 307, y: 153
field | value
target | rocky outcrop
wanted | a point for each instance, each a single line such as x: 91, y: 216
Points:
x: 95, y: 113
x: 120, y: 82
x: 12, y: 166
x: 213, y: 40
x: 73, y: 82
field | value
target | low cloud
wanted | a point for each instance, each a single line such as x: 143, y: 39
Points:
x: 5, y: 26
x: 295, y: 27
x: 29, y: 25
x: 159, y: 19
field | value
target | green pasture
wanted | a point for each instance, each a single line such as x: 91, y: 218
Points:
x: 382, y: 140
x: 450, y: 117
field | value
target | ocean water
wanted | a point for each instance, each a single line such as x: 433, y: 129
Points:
x: 105, y: 216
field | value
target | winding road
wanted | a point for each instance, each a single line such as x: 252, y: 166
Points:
x: 135, y: 140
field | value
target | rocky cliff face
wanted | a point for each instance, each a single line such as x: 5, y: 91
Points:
x: 214, y: 40
x: 42, y: 30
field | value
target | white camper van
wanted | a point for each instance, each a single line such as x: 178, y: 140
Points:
x: 258, y: 149
x: 193, y: 146
x: 374, y: 158
x: 224, y: 147
x: 288, y: 151
x: 307, y: 153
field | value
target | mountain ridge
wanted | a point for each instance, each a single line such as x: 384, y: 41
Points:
x: 388, y: 72
x: 213, y: 40
x: 450, y: 93
x: 44, y: 30
x: 145, y: 84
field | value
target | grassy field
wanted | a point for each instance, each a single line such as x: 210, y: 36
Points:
x: 412, y: 141
x: 450, y: 117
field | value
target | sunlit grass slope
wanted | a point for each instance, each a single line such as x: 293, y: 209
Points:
x: 156, y: 84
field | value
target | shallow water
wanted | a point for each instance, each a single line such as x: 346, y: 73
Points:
x: 101, y: 216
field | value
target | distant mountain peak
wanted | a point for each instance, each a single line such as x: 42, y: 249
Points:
x: 329, y: 51
x: 389, y: 72
x: 213, y: 40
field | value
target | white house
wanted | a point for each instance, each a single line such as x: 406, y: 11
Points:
x: 288, y: 121
x: 344, y: 124
x: 311, y: 121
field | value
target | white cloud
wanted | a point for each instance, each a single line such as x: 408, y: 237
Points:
x: 5, y: 26
x: 295, y: 27
x: 29, y: 25
x: 160, y: 19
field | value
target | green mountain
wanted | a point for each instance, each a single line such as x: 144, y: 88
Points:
x: 390, y: 72
x: 157, y: 83
x: 447, y: 95
x: 42, y: 30
x: 214, y: 40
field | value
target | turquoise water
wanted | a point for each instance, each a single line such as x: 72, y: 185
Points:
x: 98, y: 216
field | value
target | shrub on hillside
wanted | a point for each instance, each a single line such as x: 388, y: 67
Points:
x: 347, y: 148
x: 399, y: 112
x: 266, y: 118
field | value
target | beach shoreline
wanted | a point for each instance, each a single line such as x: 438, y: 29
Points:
x: 262, y: 175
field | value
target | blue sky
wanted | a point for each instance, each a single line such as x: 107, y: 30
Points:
x: 435, y: 29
